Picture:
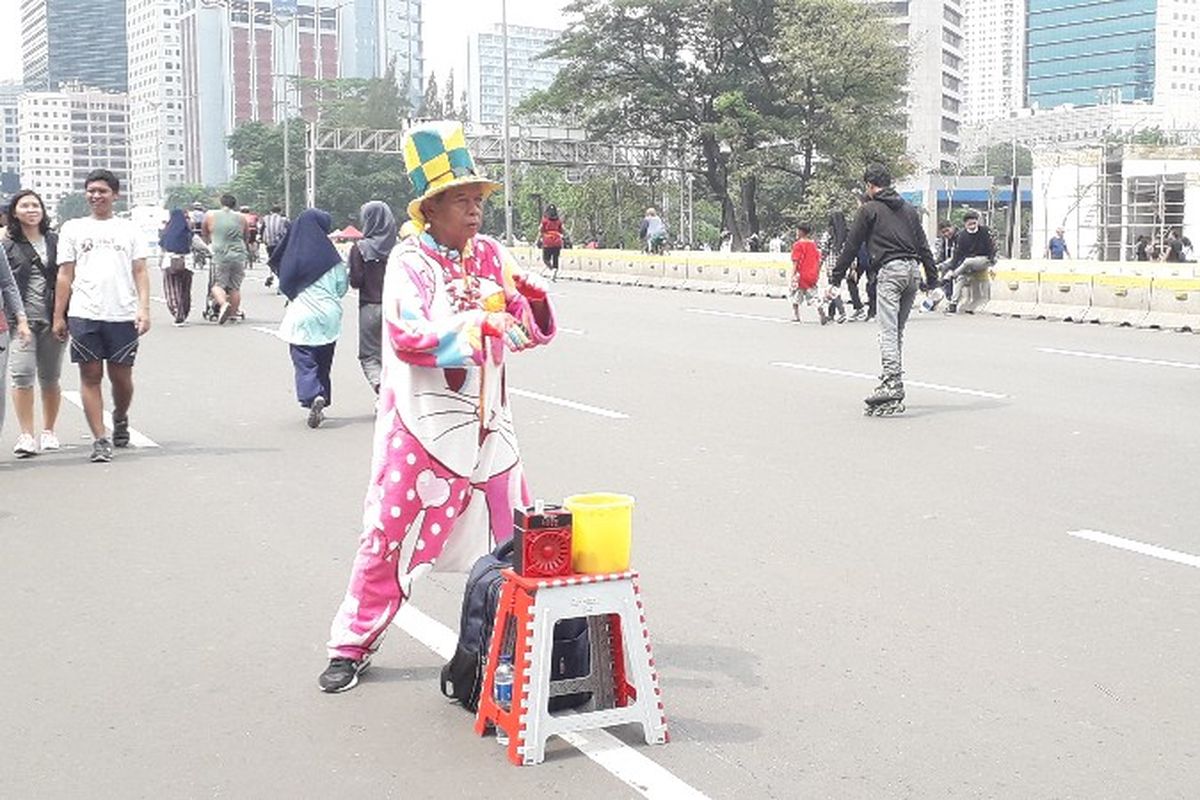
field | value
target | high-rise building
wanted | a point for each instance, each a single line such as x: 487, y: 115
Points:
x: 155, y: 99
x: 375, y: 33
x: 1083, y: 52
x: 67, y: 133
x: 10, y: 138
x: 933, y: 30
x: 994, y: 62
x: 241, y: 63
x: 69, y: 41
x: 528, y: 71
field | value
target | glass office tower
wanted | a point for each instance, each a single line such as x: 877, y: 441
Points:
x: 1089, y: 52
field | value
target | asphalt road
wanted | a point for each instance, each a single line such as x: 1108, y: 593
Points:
x: 840, y: 607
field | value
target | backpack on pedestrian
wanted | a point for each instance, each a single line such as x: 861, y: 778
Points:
x: 462, y: 676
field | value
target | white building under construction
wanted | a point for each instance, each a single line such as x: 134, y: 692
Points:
x: 1105, y: 197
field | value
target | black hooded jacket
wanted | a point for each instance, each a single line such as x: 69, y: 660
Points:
x: 892, y: 230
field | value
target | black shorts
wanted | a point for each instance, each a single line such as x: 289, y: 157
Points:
x: 96, y: 340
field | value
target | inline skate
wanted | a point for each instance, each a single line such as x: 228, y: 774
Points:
x: 887, y: 400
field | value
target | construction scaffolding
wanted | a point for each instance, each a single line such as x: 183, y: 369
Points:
x: 1135, y: 205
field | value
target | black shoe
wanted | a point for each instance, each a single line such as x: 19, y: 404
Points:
x: 102, y: 451
x: 120, y: 436
x: 342, y: 674
x: 223, y: 314
x: 316, y: 412
x: 270, y: 280
x: 952, y: 308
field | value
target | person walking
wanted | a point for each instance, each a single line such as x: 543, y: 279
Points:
x: 833, y: 241
x: 653, y: 232
x: 226, y: 232
x: 551, y: 238
x: 13, y: 309
x: 103, y: 300
x: 175, y: 241
x: 805, y: 274
x: 1056, y: 248
x: 891, y: 229
x: 313, y: 277
x: 368, y: 264
x: 32, y: 252
x: 272, y: 228
x: 446, y: 472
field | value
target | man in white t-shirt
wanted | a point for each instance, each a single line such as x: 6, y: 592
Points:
x: 103, y: 300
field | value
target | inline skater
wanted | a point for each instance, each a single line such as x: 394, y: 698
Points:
x: 891, y: 229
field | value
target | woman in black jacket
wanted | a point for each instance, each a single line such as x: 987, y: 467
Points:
x: 32, y: 248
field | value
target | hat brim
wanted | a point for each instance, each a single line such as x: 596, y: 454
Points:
x: 489, y: 187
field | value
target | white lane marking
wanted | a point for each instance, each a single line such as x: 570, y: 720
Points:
x: 158, y: 299
x: 644, y: 776
x: 264, y: 329
x: 1154, y: 362
x: 572, y: 331
x: 755, y: 317
x: 426, y: 630
x: 136, y: 437
x: 558, y: 401
x: 922, y: 384
x: 1137, y: 547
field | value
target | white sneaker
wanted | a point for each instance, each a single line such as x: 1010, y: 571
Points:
x: 25, y: 446
x: 49, y: 441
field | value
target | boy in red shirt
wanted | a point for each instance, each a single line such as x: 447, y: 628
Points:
x: 806, y: 271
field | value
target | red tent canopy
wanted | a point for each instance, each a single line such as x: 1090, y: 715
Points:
x: 349, y: 232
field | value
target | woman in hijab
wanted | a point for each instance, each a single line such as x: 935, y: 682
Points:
x: 313, y: 277
x: 176, y: 243
x: 368, y: 260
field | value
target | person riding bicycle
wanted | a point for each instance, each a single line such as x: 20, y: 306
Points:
x: 653, y: 232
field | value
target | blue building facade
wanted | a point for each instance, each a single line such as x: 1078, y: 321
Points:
x: 1088, y: 52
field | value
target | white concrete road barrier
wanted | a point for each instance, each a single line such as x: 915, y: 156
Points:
x: 1119, y: 299
x: 1174, y: 304
x: 1064, y: 295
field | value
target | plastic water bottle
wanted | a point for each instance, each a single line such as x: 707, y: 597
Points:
x: 503, y: 684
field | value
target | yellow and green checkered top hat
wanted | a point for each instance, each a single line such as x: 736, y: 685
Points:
x: 436, y: 158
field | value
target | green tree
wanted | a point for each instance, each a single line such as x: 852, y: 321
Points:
x: 997, y: 161
x: 784, y: 96
x: 431, y: 105
x: 183, y: 195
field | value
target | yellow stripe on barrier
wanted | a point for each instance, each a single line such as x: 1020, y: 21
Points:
x: 1072, y: 278
x: 1177, y: 284
x: 1124, y: 281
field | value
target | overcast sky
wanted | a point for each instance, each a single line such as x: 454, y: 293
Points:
x: 448, y: 25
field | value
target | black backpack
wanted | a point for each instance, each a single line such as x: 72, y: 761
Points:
x: 462, y: 676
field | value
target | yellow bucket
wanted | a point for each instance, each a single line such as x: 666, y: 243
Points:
x: 601, y: 532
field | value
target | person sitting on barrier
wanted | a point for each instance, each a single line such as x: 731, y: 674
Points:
x: 974, y: 251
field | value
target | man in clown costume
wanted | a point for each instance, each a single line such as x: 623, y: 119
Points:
x: 446, y: 472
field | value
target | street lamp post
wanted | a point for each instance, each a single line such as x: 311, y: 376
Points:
x: 284, y: 14
x: 508, y: 187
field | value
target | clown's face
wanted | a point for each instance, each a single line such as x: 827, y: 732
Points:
x: 454, y: 216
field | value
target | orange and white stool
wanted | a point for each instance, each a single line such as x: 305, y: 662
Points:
x: 622, y: 680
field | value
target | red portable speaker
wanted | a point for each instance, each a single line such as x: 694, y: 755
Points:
x: 542, y: 542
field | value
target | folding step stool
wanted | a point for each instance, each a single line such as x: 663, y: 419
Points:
x: 613, y: 607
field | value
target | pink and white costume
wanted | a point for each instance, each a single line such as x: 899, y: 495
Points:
x: 445, y: 473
